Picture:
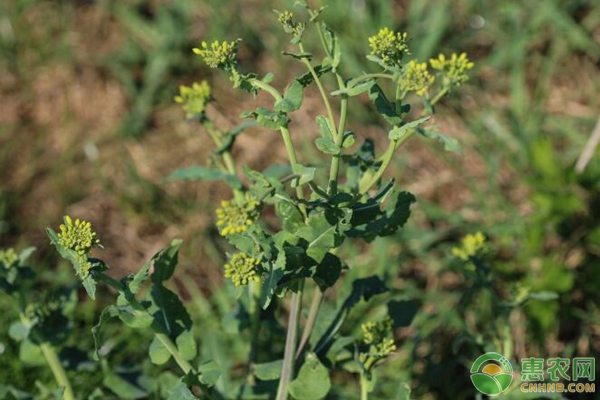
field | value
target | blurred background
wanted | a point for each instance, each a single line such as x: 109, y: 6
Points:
x: 88, y: 127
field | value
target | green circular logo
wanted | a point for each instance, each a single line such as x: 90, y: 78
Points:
x: 491, y: 374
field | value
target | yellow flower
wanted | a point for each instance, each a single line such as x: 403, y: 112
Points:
x: 79, y: 237
x: 417, y: 78
x: 389, y: 46
x: 471, y: 246
x: 194, y: 99
x: 235, y: 217
x: 454, y: 68
x: 218, y: 54
x: 242, y: 269
x: 8, y: 257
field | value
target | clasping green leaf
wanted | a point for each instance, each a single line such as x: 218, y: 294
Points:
x: 398, y: 132
x: 327, y: 145
x: 313, y: 381
x: 292, y: 98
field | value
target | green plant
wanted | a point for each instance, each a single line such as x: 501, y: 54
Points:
x: 43, y: 324
x: 346, y: 201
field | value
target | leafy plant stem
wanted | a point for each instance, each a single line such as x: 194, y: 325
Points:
x: 170, y: 346
x: 387, y: 158
x: 313, y: 15
x: 164, y: 339
x: 287, y: 138
x: 399, y: 96
x: 110, y: 281
x: 287, y: 369
x: 340, y: 81
x: 335, y: 160
x: 215, y: 136
x: 343, y: 110
x: 283, y: 181
x: 296, y: 302
x: 57, y: 369
x: 289, y: 146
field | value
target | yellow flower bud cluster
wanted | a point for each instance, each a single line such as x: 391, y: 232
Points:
x: 471, y: 246
x: 378, y: 335
x: 454, y: 69
x: 39, y: 313
x: 194, y: 99
x: 383, y: 348
x: 417, y: 78
x: 521, y: 293
x: 375, y: 332
x: 79, y: 237
x: 8, y: 257
x: 286, y: 19
x: 389, y: 46
x: 218, y: 54
x: 242, y: 269
x: 235, y: 217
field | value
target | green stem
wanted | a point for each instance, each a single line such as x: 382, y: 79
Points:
x: 387, y: 158
x: 399, y: 96
x: 215, y: 136
x: 289, y: 147
x: 439, y: 96
x: 312, y: 15
x: 333, y: 173
x: 254, y: 289
x: 310, y: 320
x: 110, y: 281
x: 343, y: 110
x: 156, y: 327
x: 365, y: 77
x: 267, y: 88
x: 57, y: 369
x: 364, y: 390
x: 320, y: 192
x: 333, y: 179
x: 335, y: 160
x: 364, y: 381
x: 287, y: 369
x: 285, y: 134
x: 323, y: 93
x: 340, y: 81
